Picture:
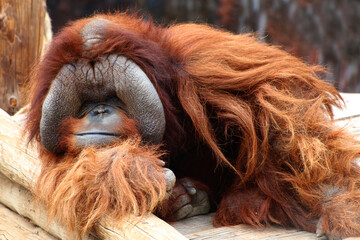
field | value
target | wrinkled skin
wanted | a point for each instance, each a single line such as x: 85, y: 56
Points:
x: 186, y: 200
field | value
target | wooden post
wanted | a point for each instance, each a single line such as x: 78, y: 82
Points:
x: 23, y: 30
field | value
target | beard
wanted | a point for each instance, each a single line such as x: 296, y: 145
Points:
x: 109, y: 182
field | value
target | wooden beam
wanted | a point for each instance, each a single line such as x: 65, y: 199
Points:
x: 14, y: 227
x: 20, y: 168
x: 24, y: 29
x: 20, y: 200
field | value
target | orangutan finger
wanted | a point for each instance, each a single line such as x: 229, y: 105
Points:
x: 177, y: 191
x: 200, y: 203
x: 200, y: 197
x: 183, y: 212
x: 189, y: 185
x: 319, y: 228
x: 181, y: 201
x: 170, y: 179
x: 161, y: 163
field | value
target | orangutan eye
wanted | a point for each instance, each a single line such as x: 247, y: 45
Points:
x: 87, y: 107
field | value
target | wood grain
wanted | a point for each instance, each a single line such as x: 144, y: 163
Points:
x: 24, y: 30
x: 15, y: 227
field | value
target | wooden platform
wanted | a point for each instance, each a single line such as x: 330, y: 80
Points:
x: 200, y: 228
x: 350, y: 116
x: 15, y: 227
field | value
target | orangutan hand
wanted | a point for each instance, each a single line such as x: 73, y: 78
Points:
x: 186, y: 200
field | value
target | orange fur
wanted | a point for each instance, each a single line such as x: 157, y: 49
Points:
x: 283, y: 112
x: 111, y: 182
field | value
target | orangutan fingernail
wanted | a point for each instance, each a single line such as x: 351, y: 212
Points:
x: 191, y: 190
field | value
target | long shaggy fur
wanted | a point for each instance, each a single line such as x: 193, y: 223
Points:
x: 289, y: 148
x: 111, y: 182
x: 265, y: 115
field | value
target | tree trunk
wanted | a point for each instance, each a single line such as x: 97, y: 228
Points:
x: 24, y: 30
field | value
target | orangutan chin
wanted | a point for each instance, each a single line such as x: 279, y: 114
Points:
x: 245, y: 127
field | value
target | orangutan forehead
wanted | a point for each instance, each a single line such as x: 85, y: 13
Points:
x: 92, y: 82
x: 93, y: 32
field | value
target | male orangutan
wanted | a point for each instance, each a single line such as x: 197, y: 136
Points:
x: 246, y: 128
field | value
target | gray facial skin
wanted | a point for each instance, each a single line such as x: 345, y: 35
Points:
x: 111, y: 76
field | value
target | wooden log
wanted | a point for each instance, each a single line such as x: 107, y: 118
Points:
x: 24, y: 29
x: 20, y: 200
x: 14, y: 227
x: 19, y: 163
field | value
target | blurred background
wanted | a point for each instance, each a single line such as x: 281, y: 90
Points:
x: 318, y: 31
